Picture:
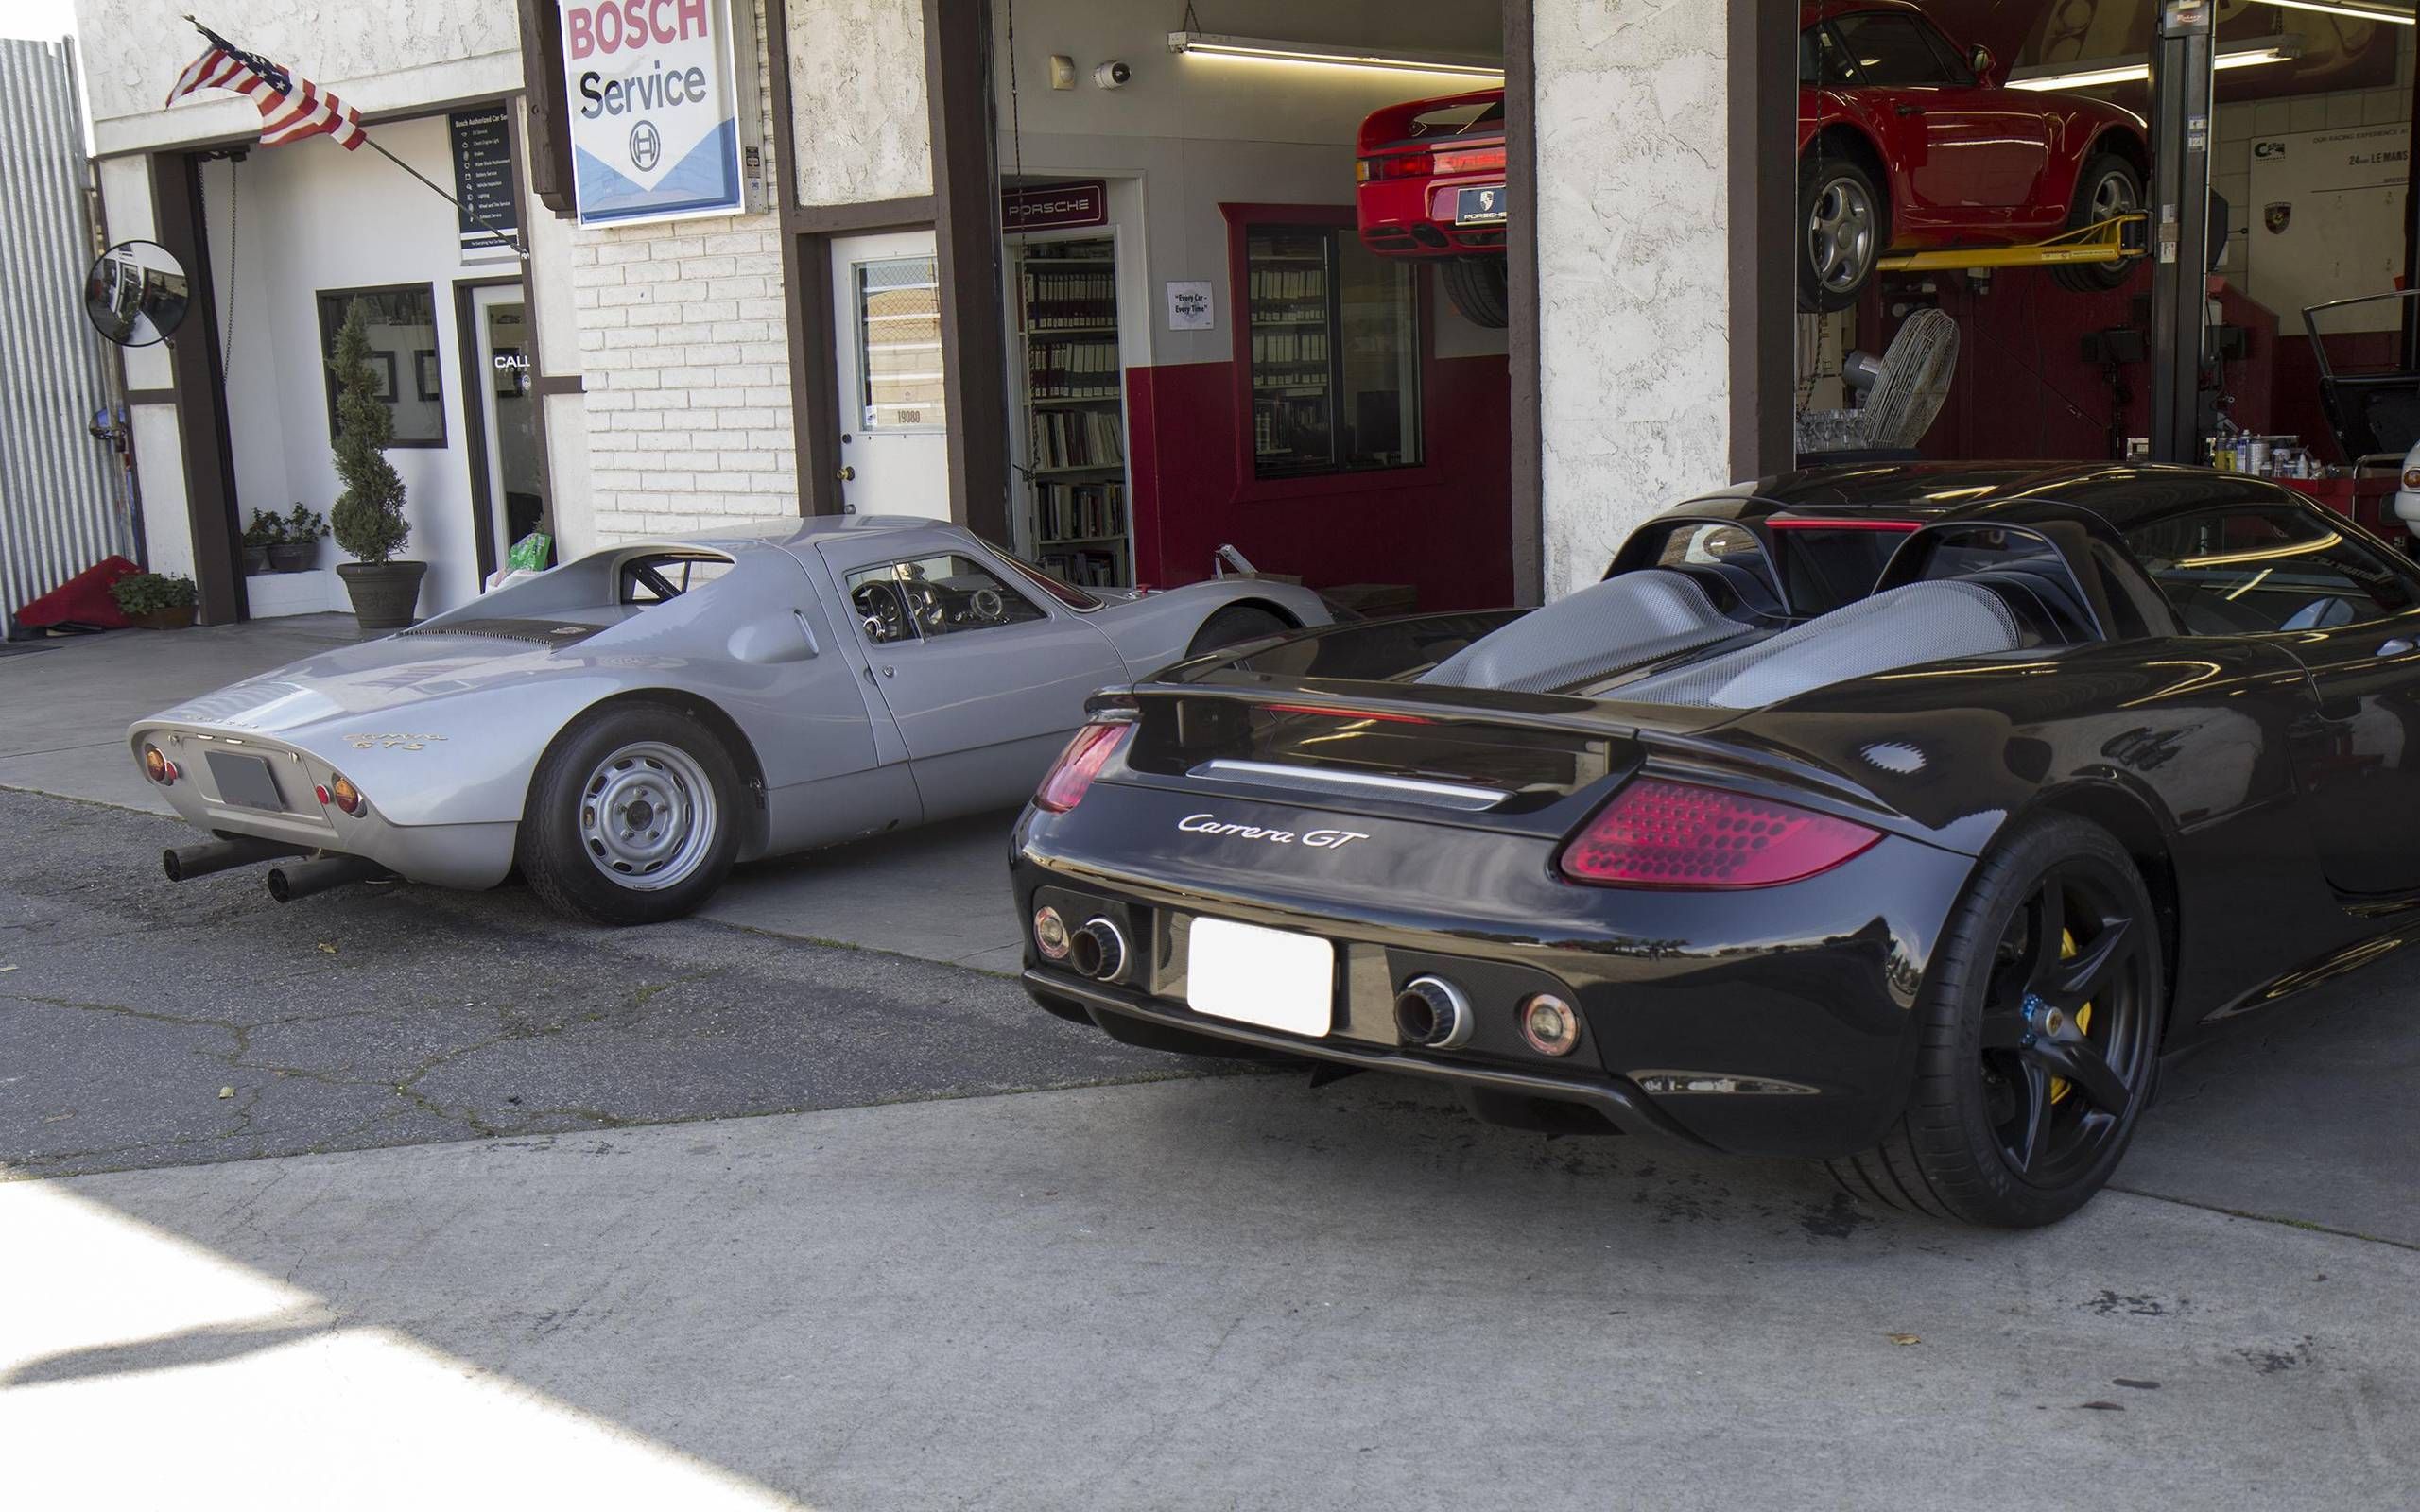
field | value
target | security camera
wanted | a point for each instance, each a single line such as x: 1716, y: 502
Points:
x: 1112, y: 76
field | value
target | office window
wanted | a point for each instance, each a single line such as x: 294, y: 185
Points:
x: 403, y: 356
x: 1335, y: 356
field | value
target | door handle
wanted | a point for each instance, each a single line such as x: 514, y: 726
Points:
x: 1908, y: 109
x: 2398, y: 646
x: 847, y: 475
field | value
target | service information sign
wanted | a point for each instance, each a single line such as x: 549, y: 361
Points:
x: 654, y: 94
x: 483, y: 183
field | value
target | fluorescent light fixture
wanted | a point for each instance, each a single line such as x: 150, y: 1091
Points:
x: 2280, y: 49
x: 1268, y: 50
x: 2399, y: 15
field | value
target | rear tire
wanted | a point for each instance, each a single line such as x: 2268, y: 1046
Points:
x: 1234, y: 624
x: 1480, y: 289
x: 2107, y: 186
x: 2026, y: 1040
x: 632, y: 818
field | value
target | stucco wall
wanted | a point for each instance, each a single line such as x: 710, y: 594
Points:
x: 858, y: 110
x: 1633, y: 252
x: 428, y: 52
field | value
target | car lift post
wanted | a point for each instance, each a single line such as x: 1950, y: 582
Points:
x: 2182, y: 80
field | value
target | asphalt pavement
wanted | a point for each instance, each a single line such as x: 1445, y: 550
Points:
x: 396, y: 1197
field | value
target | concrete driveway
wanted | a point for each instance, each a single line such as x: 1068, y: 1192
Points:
x: 394, y: 1197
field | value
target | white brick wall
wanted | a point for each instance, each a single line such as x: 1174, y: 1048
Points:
x: 685, y: 355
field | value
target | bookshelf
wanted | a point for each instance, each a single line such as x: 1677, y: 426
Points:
x: 1074, y: 395
x: 1288, y: 271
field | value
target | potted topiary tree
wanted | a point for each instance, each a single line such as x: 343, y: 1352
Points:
x: 369, y: 515
x: 300, y: 547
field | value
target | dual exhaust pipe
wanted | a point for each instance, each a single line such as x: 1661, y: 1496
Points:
x: 299, y: 880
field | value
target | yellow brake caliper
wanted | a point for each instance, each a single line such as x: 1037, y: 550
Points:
x: 2084, y: 1015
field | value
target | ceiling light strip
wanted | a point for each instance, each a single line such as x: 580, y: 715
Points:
x: 1269, y: 50
x: 2283, y: 49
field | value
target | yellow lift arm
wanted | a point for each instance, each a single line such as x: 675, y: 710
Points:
x: 2105, y: 240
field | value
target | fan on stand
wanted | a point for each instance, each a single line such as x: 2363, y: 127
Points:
x: 1904, y: 390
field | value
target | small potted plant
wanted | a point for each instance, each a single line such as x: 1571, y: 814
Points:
x: 300, y: 546
x: 156, y: 601
x: 261, y: 540
x: 369, y: 515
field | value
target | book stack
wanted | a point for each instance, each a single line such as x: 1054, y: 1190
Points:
x: 1078, y: 437
x: 1079, y: 512
x: 1065, y: 368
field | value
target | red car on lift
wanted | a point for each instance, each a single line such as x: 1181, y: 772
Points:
x: 1432, y: 185
x: 1906, y: 142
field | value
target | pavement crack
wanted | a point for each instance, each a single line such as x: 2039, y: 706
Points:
x: 2279, y: 1219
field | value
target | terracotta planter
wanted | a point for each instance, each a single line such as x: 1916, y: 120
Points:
x: 293, y: 555
x: 384, y: 593
x: 180, y: 618
x: 255, y: 560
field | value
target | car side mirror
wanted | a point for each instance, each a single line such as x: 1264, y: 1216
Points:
x: 1987, y: 68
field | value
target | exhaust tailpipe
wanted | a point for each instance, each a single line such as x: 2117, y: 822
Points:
x: 302, y: 880
x: 1433, y: 1013
x: 182, y: 863
x: 1097, y: 950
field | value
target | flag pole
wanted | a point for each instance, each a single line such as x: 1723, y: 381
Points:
x: 508, y: 238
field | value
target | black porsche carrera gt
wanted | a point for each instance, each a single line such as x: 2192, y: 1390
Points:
x: 1905, y: 818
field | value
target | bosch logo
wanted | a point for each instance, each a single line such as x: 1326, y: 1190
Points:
x: 646, y: 147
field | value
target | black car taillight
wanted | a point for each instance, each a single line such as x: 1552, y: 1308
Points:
x: 1064, y: 785
x: 1675, y: 836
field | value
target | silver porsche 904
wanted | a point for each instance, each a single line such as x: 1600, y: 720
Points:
x: 626, y: 727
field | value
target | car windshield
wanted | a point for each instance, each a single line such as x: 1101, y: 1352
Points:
x: 1065, y: 593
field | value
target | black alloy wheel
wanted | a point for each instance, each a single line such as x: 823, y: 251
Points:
x: 2040, y: 1048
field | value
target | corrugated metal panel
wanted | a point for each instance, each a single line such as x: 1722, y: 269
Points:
x: 59, y: 510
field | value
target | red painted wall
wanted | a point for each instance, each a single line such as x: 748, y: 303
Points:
x: 2024, y: 389
x: 1449, y: 535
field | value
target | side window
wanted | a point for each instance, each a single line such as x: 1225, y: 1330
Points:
x: 1704, y: 545
x: 1890, y: 49
x: 657, y: 579
x: 2261, y: 568
x: 934, y: 597
x: 1821, y: 60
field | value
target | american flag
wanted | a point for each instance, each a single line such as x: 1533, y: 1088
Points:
x: 291, y: 107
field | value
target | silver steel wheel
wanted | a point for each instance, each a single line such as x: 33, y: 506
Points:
x: 647, y: 816
x: 1841, y: 235
x: 2113, y: 196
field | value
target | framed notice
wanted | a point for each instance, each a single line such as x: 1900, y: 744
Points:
x: 488, y: 211
x: 657, y: 103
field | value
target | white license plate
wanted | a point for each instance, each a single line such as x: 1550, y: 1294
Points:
x: 1263, y: 976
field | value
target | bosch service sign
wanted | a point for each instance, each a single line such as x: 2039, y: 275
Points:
x: 655, y: 99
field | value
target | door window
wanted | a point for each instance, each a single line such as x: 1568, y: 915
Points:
x: 409, y: 380
x: 1894, y: 50
x: 2251, y: 570
x: 899, y: 344
x: 1821, y: 58
x: 945, y: 595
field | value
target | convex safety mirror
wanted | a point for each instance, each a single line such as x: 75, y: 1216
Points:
x: 136, y: 294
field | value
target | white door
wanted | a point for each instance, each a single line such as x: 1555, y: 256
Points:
x: 516, y: 498
x: 887, y: 305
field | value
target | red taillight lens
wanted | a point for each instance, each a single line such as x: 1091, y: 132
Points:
x: 341, y: 792
x: 1064, y: 786
x: 157, y: 767
x: 1669, y: 834
x: 1398, y: 165
x: 1470, y: 160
